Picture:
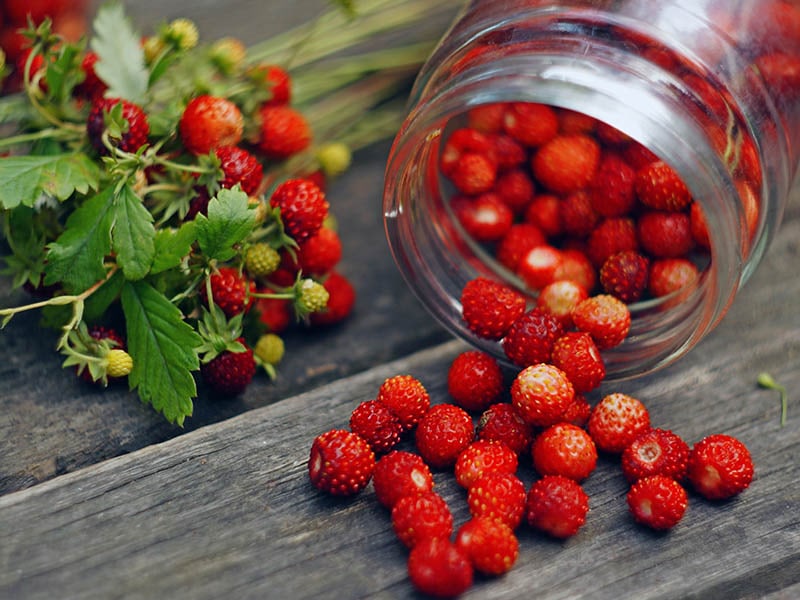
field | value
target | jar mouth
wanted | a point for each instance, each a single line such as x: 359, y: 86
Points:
x: 437, y: 260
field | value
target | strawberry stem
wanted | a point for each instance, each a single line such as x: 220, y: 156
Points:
x: 766, y: 381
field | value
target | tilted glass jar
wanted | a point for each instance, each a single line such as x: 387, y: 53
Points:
x: 712, y: 87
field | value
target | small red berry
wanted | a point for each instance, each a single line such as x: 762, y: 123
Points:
x: 578, y: 216
x: 341, y: 299
x: 398, y: 474
x: 559, y: 298
x: 720, y: 467
x: 557, y: 506
x: 612, y: 235
x: 659, y: 187
x: 482, y: 457
x: 475, y: 380
x: 612, y: 191
x: 239, y: 167
x: 519, y: 240
x: 490, y: 544
x: 655, y: 452
x: 341, y: 462
x: 485, y: 218
x: 668, y: 275
x: 625, y: 275
x: 616, y: 421
x: 284, y: 131
x: 577, y: 267
x: 578, y: 411
x: 462, y: 141
x: 499, y: 496
x: 209, y: 122
x: 531, y: 338
x: 657, y: 501
x: 318, y: 254
x: 229, y: 373
x: 604, y: 317
x: 406, y: 397
x: 564, y: 449
x: 530, y: 123
x: 490, y: 308
x: 138, y: 127
x: 501, y: 423
x: 665, y: 234
x: 438, y: 568
x: 473, y: 173
x: 443, y: 433
x: 541, y: 393
x: 566, y: 163
x: 516, y: 189
x: 377, y: 424
x: 303, y: 207
x: 538, y: 266
x: 577, y: 355
x: 230, y: 290
x: 420, y: 516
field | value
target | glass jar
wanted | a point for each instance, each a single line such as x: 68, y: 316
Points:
x: 711, y: 87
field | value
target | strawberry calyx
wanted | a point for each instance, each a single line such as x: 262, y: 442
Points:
x: 219, y: 333
x: 102, y: 358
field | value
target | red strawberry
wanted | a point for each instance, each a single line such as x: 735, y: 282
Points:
x: 443, y: 433
x: 541, y: 393
x: 566, y: 163
x: 485, y: 218
x: 341, y: 298
x: 275, y: 313
x: 475, y: 380
x: 576, y: 354
x: 637, y: 155
x: 490, y: 308
x: 521, y: 238
x: 482, y: 457
x: 530, y: 123
x: 615, y: 234
x: 320, y: 253
x: 559, y: 298
x: 230, y: 291
x: 501, y: 423
x: 303, y: 207
x: 229, y: 373
x: 507, y: 152
x: 531, y: 337
x: 612, y: 189
x: 473, y: 173
x: 544, y: 211
x: 697, y: 225
x: 438, y: 568
x: 539, y: 265
x: 419, y: 516
x: 340, y: 463
x: 616, y: 421
x: 516, y: 189
x: 406, y: 397
x: 400, y: 474
x: 276, y: 80
x: 92, y: 87
x: 378, y: 425
x: 578, y: 216
x: 625, y: 275
x: 608, y: 134
x: 604, y: 317
x: 486, y: 118
x: 499, y: 496
x: 557, y: 506
x: 659, y: 187
x: 655, y: 452
x: 578, y: 411
x: 564, y: 449
x: 657, y: 501
x: 668, y: 275
x: 665, y: 234
x: 284, y: 131
x: 239, y: 167
x: 491, y: 545
x: 138, y: 128
x: 720, y: 467
x: 209, y: 122
x: 571, y: 121
x: 576, y: 266
x: 460, y: 142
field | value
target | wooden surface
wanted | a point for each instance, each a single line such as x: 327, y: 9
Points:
x: 104, y: 500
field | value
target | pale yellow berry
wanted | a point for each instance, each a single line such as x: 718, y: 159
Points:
x: 228, y: 54
x: 119, y: 363
x: 153, y: 47
x: 269, y: 348
x: 313, y: 296
x: 259, y: 207
x: 182, y: 33
x: 261, y: 259
x: 334, y: 158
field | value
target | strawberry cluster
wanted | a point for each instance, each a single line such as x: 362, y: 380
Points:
x: 482, y: 434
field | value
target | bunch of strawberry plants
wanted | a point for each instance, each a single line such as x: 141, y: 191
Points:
x: 164, y: 201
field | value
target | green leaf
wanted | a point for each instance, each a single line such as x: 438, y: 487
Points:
x: 76, y: 258
x: 27, y: 244
x: 133, y: 234
x: 229, y: 222
x: 64, y: 73
x: 98, y: 303
x: 162, y: 346
x: 24, y: 178
x: 120, y: 63
x: 171, y: 245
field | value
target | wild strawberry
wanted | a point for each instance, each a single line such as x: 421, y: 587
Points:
x: 275, y: 313
x: 99, y: 370
x: 564, y: 449
x: 638, y: 155
x: 482, y: 457
x: 521, y: 238
x: 261, y: 259
x: 625, y: 274
x: 616, y: 420
x: 615, y: 234
x: 229, y: 373
x: 118, y: 363
x: 577, y: 267
x: 419, y: 516
x: 576, y: 354
x: 499, y: 496
x: 229, y: 290
x: 507, y: 152
x: 664, y: 234
x: 530, y: 123
x: 485, y: 218
x: 284, y: 132
x: 269, y: 350
x: 578, y: 411
x: 501, y: 423
x: 443, y: 433
x: 491, y: 545
x: 516, y: 189
x: 462, y: 141
x: 489, y: 308
x: 209, y: 122
x: 473, y: 173
x: 406, y: 397
x: 559, y: 298
x: 657, y: 501
x: 655, y: 452
x: 539, y: 265
x: 541, y: 393
x: 531, y: 337
x: 239, y: 167
x: 276, y: 80
x: 720, y: 467
x: 475, y: 380
x: 340, y: 463
x: 610, y: 135
x: 132, y: 138
x: 378, y: 425
x: 544, y: 211
x: 668, y: 275
x: 611, y: 191
x: 310, y: 297
x: 659, y: 187
x: 578, y: 216
x: 697, y: 225
x: 604, y: 317
x: 438, y: 568
x: 486, y: 118
x: 398, y: 474
x: 571, y: 121
x: 341, y: 299
x: 557, y: 506
x: 302, y: 206
x: 92, y: 87
x: 320, y: 253
x: 566, y: 163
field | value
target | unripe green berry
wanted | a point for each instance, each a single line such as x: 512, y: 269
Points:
x: 269, y: 348
x: 118, y: 363
x: 334, y: 158
x: 228, y: 54
x: 182, y: 33
x: 261, y: 260
x: 313, y: 296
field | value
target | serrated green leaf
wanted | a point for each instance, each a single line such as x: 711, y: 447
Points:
x: 133, y: 234
x: 76, y: 258
x: 162, y: 346
x: 64, y: 73
x: 229, y: 222
x: 24, y: 178
x: 172, y: 245
x: 96, y: 305
x: 120, y: 63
